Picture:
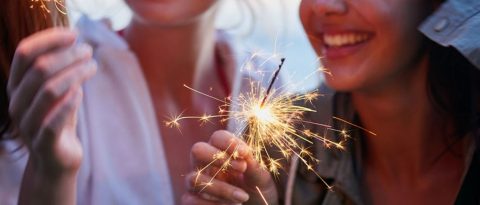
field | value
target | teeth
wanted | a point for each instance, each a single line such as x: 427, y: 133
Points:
x: 339, y: 40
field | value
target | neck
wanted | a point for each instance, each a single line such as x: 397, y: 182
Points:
x: 408, y: 137
x: 173, y: 56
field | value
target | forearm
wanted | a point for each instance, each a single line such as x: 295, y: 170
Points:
x: 44, y: 187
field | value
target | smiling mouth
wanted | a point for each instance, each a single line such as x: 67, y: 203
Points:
x: 345, y: 39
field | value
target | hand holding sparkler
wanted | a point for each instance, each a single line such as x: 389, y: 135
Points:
x: 238, y: 183
x: 271, y: 123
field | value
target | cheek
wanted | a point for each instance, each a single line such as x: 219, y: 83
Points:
x: 399, y: 42
x: 303, y: 11
x: 395, y: 49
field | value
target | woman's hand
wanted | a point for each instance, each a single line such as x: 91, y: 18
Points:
x: 44, y: 87
x: 237, y: 185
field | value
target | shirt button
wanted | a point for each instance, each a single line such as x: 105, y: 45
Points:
x: 441, y: 25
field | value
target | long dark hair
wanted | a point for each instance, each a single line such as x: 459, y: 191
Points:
x: 18, y: 20
x: 454, y: 90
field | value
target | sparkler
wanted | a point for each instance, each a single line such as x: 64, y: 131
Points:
x: 42, y: 4
x: 271, y: 118
x: 261, y: 195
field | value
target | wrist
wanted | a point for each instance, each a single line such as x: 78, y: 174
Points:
x: 52, y: 187
x: 50, y: 171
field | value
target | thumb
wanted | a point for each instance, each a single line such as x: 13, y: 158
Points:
x: 256, y: 174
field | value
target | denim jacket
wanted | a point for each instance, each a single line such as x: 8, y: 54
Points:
x: 456, y: 23
x: 342, y: 169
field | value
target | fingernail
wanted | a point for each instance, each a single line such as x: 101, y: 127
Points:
x: 85, y: 50
x: 240, y: 196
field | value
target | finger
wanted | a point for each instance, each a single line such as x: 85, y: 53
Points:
x: 219, y: 189
x: 59, y: 117
x: 194, y: 199
x: 255, y: 175
x: 203, y: 154
x: 225, y: 140
x: 35, y: 45
x: 208, y: 197
x: 45, y: 67
x: 51, y: 92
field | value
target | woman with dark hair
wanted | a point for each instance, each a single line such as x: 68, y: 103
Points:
x: 418, y: 91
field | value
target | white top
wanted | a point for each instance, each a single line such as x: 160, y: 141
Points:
x: 124, y: 160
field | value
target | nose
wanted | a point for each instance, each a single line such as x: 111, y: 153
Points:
x: 329, y: 7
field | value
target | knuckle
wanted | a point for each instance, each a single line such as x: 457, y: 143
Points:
x: 190, y: 180
x: 89, y: 68
x: 220, y: 135
x: 49, y: 91
x: 23, y: 50
x: 198, y: 148
x: 42, y: 66
x: 223, y: 139
x: 92, y: 64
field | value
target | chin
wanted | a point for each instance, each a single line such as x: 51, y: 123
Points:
x: 344, y: 83
x: 158, y: 18
x: 338, y: 85
x: 170, y: 13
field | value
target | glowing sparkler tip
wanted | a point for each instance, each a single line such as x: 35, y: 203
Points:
x: 263, y: 114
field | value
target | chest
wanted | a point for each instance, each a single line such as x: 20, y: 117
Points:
x: 439, y: 188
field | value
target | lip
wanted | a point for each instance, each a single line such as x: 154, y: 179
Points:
x: 334, y: 53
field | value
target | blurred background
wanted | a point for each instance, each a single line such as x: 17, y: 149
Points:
x: 267, y: 26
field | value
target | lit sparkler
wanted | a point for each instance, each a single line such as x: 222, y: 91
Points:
x: 42, y: 4
x: 271, y: 118
x: 261, y: 195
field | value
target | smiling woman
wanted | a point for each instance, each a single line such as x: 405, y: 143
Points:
x: 418, y: 91
x: 349, y: 47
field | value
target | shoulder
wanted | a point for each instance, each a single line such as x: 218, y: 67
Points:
x: 456, y: 23
x: 114, y: 58
x: 97, y: 33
